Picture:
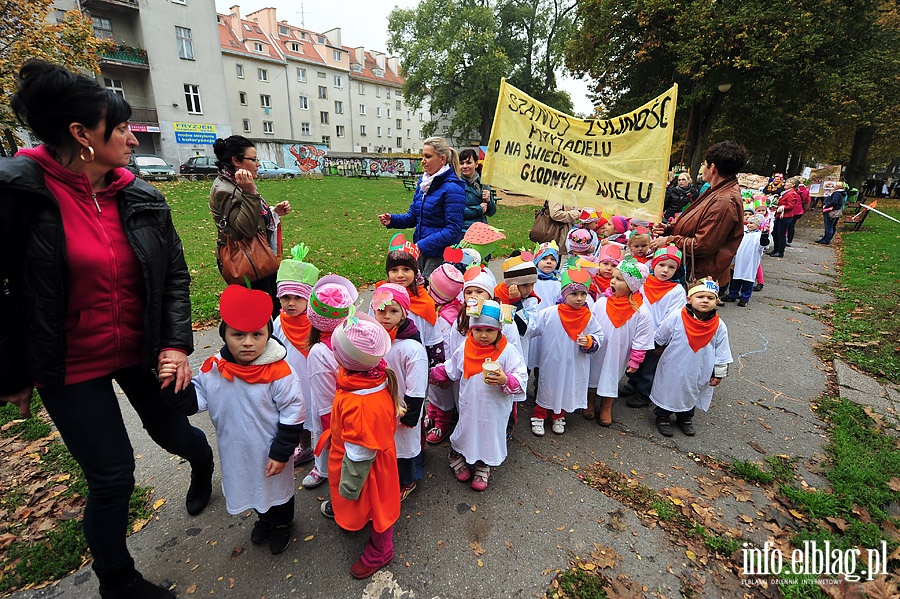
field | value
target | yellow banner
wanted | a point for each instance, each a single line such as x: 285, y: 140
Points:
x: 617, y: 166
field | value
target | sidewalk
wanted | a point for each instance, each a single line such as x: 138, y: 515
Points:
x: 538, y: 514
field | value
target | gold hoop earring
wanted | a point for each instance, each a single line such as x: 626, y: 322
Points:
x: 90, y: 151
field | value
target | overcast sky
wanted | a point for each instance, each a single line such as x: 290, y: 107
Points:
x: 362, y: 23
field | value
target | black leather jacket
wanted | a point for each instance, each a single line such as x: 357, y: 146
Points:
x: 34, y: 276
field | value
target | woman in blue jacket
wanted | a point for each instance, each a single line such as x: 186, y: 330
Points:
x: 438, y: 206
x: 479, y: 203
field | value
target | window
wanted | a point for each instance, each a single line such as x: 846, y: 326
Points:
x: 247, y: 27
x: 398, y: 94
x: 115, y: 85
x: 356, y: 67
x: 305, y: 129
x: 185, y: 46
x: 246, y: 125
x: 388, y: 94
x: 399, y: 142
x: 388, y: 113
x: 338, y: 107
x: 362, y: 109
x: 421, y: 135
x: 340, y: 130
x: 321, y: 75
x: 323, y: 92
x: 399, y: 124
x: 301, y: 75
x: 284, y: 31
x: 377, y: 91
x: 103, y: 28
x: 408, y: 114
x: 304, y: 103
x: 362, y: 88
x: 242, y: 96
x: 262, y: 74
x: 408, y: 136
x: 398, y: 105
x: 378, y: 111
x: 258, y: 47
x: 295, y: 47
x: 389, y: 132
x: 326, y: 140
x: 239, y: 69
x: 378, y: 131
x: 421, y: 117
x: 338, y: 82
x: 192, y: 98
x: 378, y: 72
x: 323, y: 118
x: 321, y: 39
x: 178, y: 1
x: 336, y: 54
x: 362, y: 130
x: 268, y: 127
x: 265, y: 100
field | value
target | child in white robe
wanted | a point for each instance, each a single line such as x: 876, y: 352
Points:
x: 546, y: 258
x: 628, y: 333
x: 409, y: 362
x: 569, y: 334
x: 254, y: 402
x: 486, y: 395
x: 695, y: 359
x: 747, y: 260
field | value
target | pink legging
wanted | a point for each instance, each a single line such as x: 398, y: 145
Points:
x: 759, y: 276
x: 379, y: 549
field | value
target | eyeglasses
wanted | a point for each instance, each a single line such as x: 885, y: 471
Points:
x: 256, y: 160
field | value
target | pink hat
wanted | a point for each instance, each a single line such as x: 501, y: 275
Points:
x: 610, y: 253
x: 330, y: 301
x: 360, y: 343
x: 445, y: 283
x: 388, y: 294
x: 620, y: 223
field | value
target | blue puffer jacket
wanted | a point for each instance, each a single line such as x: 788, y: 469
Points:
x: 437, y: 216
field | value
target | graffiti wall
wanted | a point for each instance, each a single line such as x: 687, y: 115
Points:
x: 314, y: 158
x: 307, y: 158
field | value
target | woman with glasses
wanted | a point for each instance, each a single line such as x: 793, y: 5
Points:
x: 238, y: 209
x: 678, y: 196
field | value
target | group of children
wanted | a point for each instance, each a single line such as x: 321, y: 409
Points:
x: 361, y: 389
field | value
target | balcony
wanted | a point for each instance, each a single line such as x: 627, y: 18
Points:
x: 114, y: 5
x: 144, y: 115
x: 111, y: 52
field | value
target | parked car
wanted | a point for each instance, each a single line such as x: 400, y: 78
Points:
x: 270, y: 170
x: 200, y: 165
x: 151, y: 168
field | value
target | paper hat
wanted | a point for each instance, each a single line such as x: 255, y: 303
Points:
x: 482, y: 278
x: 669, y: 252
x: 589, y: 216
x: 399, y: 243
x: 445, y: 283
x: 245, y: 309
x: 610, y: 253
x: 296, y: 277
x: 390, y: 294
x: 482, y: 237
x: 330, y: 301
x: 519, y: 271
x: 546, y: 249
x: 360, y: 343
x: 641, y: 231
x: 573, y: 278
x: 634, y: 223
x: 581, y: 240
x: 489, y: 315
x: 706, y: 284
x: 620, y: 223
x: 633, y: 274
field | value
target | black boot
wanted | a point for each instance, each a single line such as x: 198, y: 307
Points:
x: 201, y: 488
x: 136, y: 588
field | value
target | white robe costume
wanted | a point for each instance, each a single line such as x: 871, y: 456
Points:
x: 682, y: 377
x: 484, y: 409
x: 409, y: 361
x: 748, y: 256
x: 298, y: 363
x: 445, y: 399
x: 548, y: 291
x: 673, y: 301
x: 246, y: 418
x: 321, y: 376
x: 609, y: 364
x: 564, y: 366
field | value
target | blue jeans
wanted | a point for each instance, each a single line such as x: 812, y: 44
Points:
x: 741, y: 288
x: 830, y: 228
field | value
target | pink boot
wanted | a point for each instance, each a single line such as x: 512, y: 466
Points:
x: 440, y: 427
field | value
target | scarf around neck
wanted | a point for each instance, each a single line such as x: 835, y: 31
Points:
x: 296, y: 329
x: 654, y: 289
x: 699, y: 332
x: 619, y: 310
x: 425, y: 182
x: 474, y: 355
x: 271, y: 369
x: 574, y: 320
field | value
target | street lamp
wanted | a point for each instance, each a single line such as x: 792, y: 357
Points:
x: 724, y: 85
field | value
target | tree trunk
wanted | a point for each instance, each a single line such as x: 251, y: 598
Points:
x: 780, y: 159
x: 10, y: 141
x: 855, y: 172
x: 794, y: 166
x: 704, y: 125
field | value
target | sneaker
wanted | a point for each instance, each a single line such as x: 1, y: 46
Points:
x: 664, y: 427
x: 200, y: 490
x: 313, y: 479
x: 303, y: 456
x: 480, y: 480
x: 280, y: 538
x: 327, y: 510
x: 787, y: 245
x: 742, y: 303
x: 405, y: 490
x: 729, y: 299
x: 687, y: 427
x: 637, y: 401
x: 261, y: 532
x: 537, y: 427
x: 758, y: 287
x: 460, y: 467
x: 427, y: 422
x: 558, y: 426
x: 435, y: 436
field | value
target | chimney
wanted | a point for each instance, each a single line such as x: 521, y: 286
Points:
x: 334, y: 37
x: 379, y: 58
x: 393, y: 63
x: 235, y: 12
x: 359, y: 56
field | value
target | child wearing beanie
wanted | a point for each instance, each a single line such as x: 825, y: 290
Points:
x: 695, y: 343
x: 662, y: 296
x: 517, y: 290
x: 582, y: 242
x: 254, y: 402
x: 362, y: 461
x: 408, y: 360
x: 492, y: 376
x: 546, y: 259
x: 609, y: 258
x: 568, y: 334
x: 639, y: 245
x: 616, y: 231
x: 329, y: 304
x: 747, y: 260
x: 628, y: 330
x: 294, y: 282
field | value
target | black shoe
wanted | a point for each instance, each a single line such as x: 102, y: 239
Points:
x: 787, y: 245
x: 262, y: 530
x: 138, y: 588
x: 664, y: 427
x: 729, y: 299
x: 627, y: 389
x: 637, y: 402
x: 779, y: 255
x: 687, y: 427
x: 280, y: 538
x: 201, y: 488
x: 327, y: 510
x: 742, y: 303
x: 758, y: 287
x: 822, y: 242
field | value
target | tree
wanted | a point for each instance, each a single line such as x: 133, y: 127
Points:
x: 25, y: 32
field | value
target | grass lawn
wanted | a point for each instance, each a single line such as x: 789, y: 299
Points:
x: 334, y: 216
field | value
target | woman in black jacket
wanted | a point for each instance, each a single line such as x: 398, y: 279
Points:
x: 94, y: 289
x: 678, y: 195
x: 833, y: 203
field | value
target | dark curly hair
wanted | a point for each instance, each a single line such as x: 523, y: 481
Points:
x: 728, y: 156
x: 230, y: 147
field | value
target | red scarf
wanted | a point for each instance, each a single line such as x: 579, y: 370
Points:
x: 296, y: 329
x: 474, y: 355
x: 354, y: 381
x: 619, y: 309
x: 574, y: 320
x: 699, y: 332
x: 601, y: 283
x: 654, y: 289
x: 262, y: 374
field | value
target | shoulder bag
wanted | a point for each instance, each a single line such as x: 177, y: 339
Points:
x: 545, y: 229
x: 250, y: 258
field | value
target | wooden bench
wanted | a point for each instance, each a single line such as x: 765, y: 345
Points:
x: 409, y: 183
x: 856, y: 220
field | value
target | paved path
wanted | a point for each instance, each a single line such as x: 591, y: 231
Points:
x: 537, y: 515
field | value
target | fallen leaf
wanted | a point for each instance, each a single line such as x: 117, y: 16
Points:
x: 894, y: 484
x: 139, y: 524
x: 480, y: 564
x: 508, y: 544
x: 309, y: 538
x: 158, y: 503
x: 690, y: 555
x: 477, y: 548
x: 474, y: 507
x: 839, y: 523
x: 191, y: 589
x: 617, y: 521
x: 587, y: 566
x: 604, y: 557
x: 231, y: 583
x: 236, y: 552
x: 797, y: 515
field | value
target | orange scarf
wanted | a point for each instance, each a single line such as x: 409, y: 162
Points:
x: 643, y: 259
x: 354, y: 381
x: 654, y: 289
x: 262, y: 374
x: 474, y: 355
x: 619, y: 309
x: 420, y: 305
x: 296, y: 329
x: 574, y: 320
x: 602, y: 283
x: 699, y: 332
x: 501, y: 294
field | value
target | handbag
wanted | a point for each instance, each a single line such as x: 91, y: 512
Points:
x: 251, y: 258
x: 545, y: 229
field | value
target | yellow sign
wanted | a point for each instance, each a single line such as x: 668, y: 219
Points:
x: 195, y: 127
x: 617, y: 166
